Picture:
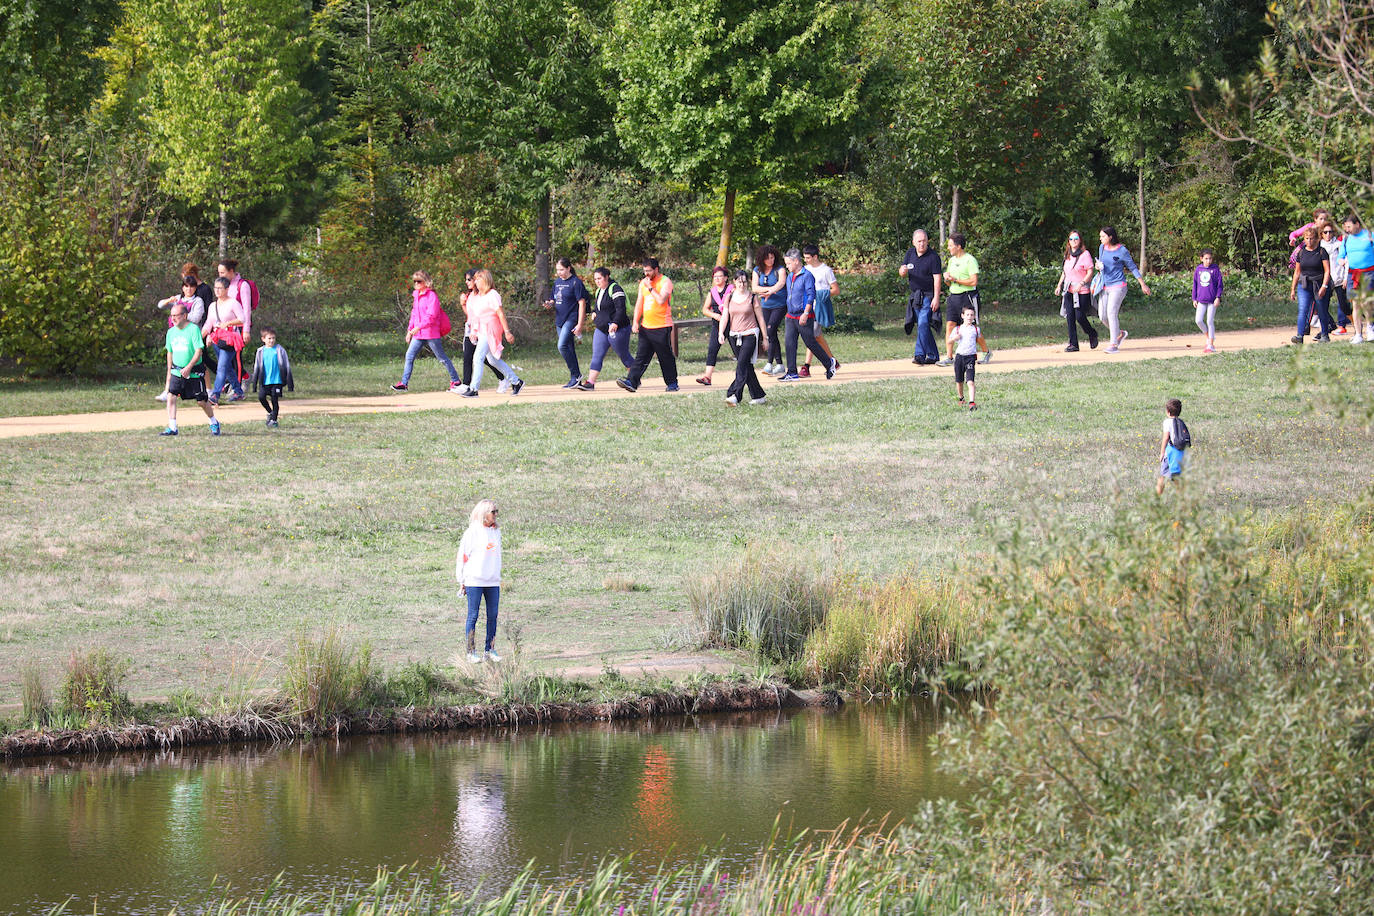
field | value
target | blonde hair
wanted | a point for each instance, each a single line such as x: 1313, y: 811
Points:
x: 479, y: 514
x: 422, y: 277
x: 484, y: 274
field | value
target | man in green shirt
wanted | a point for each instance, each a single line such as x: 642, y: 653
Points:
x: 186, y: 370
x: 961, y: 271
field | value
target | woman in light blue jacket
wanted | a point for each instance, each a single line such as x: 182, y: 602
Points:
x: 1114, y: 260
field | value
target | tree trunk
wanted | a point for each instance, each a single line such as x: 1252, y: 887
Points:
x: 223, y: 231
x: 940, y: 210
x: 591, y: 255
x: 953, y: 209
x: 543, y: 280
x: 1140, y: 204
x: 749, y: 255
x: 727, y: 223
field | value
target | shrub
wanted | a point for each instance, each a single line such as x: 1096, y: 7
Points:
x: 1183, y: 721
x: 93, y: 690
x: 325, y: 677
x: 766, y: 601
x: 37, y: 705
x: 415, y: 684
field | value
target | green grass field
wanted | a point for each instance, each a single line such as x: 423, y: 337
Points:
x: 198, y: 558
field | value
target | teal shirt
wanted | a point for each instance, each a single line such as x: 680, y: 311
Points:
x: 271, y: 366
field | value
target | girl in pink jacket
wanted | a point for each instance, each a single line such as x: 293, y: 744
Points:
x: 428, y: 325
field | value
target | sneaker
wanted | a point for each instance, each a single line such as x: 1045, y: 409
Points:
x: 1092, y: 342
x: 1296, y: 339
x: 503, y: 386
x: 267, y: 422
x: 470, y: 393
x: 235, y: 398
x: 672, y: 387
x: 1209, y: 349
x: 493, y: 656
x: 1113, y: 349
x: 790, y: 377
x: 625, y: 384
x: 759, y: 400
x: 474, y: 657
x: 570, y: 383
x: 457, y: 387
x: 272, y: 424
x: 1324, y: 338
x: 945, y: 361
x: 400, y: 386
x: 1070, y: 349
x: 1342, y: 330
x: 987, y: 357
x: 1357, y: 339
x: 972, y: 406
x: 805, y: 371
x: 1369, y: 333
x: 732, y: 401
x: 214, y: 427
x: 703, y: 380
x: 168, y: 432
x: 214, y: 398
x: 516, y: 385
x: 768, y: 368
x: 585, y: 385
x: 834, y: 366
x: 918, y: 360
x: 163, y: 397
x: 1122, y: 339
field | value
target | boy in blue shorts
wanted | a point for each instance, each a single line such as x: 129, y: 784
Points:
x: 1174, y: 440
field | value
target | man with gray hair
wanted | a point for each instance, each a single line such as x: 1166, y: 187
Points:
x: 801, y: 314
x: 924, y: 274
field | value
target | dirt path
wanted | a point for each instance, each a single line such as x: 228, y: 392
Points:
x: 1003, y: 361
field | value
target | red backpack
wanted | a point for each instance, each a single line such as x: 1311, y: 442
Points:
x: 252, y: 293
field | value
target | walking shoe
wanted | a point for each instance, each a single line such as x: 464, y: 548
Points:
x: 1092, y: 342
x: 758, y: 400
x: 1113, y: 349
x: 672, y: 387
x: 1070, y: 349
x: 474, y: 657
x: 470, y: 393
x: 987, y: 357
x: 400, y: 386
x: 1342, y: 330
x: 272, y: 424
x: 1369, y: 333
x: 492, y: 656
x: 163, y: 397
x: 1357, y: 338
x: 830, y: 372
x: 767, y: 368
x: 1122, y: 339
x: 457, y: 387
x: 732, y: 400
x: 805, y: 370
x: 1209, y: 349
x: 503, y: 386
x: 585, y: 385
x: 972, y: 406
x: 790, y: 377
x: 945, y: 361
x: 516, y: 385
x: 168, y: 432
x: 214, y: 398
x: 918, y: 360
x: 1324, y: 338
x: 703, y: 380
x: 570, y: 383
x: 267, y: 422
x: 214, y: 427
x: 625, y: 384
x: 235, y: 398
x: 1296, y: 338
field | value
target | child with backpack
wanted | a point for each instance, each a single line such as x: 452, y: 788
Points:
x: 271, y: 371
x: 1172, y: 443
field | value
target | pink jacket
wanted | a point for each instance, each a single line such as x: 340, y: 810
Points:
x: 240, y: 293
x: 424, y: 315
x: 483, y: 320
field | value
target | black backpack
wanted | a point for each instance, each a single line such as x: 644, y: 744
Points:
x: 1179, y: 437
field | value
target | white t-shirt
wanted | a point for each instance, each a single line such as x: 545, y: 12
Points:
x: 482, y: 547
x: 824, y: 276
x: 968, y: 340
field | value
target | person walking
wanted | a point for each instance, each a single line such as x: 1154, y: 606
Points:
x: 487, y: 318
x: 924, y: 275
x: 272, y: 371
x: 1332, y: 241
x: 428, y: 326
x: 967, y: 339
x: 240, y: 291
x: 801, y: 305
x: 224, y: 330
x: 1311, y: 280
x: 186, y: 370
x: 962, y: 272
x: 569, y: 304
x: 1114, y: 260
x: 203, y: 290
x: 195, y: 313
x: 653, y: 322
x: 478, y: 571
x: 827, y: 287
x: 1357, y: 250
x: 470, y: 340
x: 1075, y: 287
x: 743, y: 321
x: 770, y: 286
x: 611, y: 327
x: 1207, y: 289
x: 713, y: 306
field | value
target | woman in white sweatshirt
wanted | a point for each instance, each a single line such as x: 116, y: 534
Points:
x: 479, y: 574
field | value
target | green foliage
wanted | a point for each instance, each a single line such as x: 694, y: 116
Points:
x: 34, y: 698
x: 415, y: 684
x: 1182, y: 720
x: 326, y: 678
x: 45, y: 53
x: 93, y: 690
x: 70, y: 207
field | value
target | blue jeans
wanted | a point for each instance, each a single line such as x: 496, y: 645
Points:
x: 475, y: 595
x: 436, y: 346
x: 925, y: 337
x: 601, y: 342
x: 227, y: 370
x: 1307, y: 301
x: 567, y: 347
x: 480, y: 356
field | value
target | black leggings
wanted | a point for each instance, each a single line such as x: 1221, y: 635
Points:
x: 272, y: 393
x: 469, y: 351
x: 744, y: 346
x: 772, y: 319
x: 1076, y: 311
x: 712, y: 343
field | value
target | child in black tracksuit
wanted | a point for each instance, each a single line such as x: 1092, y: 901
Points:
x: 271, y: 371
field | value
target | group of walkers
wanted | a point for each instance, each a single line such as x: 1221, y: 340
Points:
x: 1327, y: 262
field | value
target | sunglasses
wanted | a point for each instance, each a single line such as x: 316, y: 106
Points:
x: 417, y: 282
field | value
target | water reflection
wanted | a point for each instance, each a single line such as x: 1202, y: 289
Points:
x: 139, y: 832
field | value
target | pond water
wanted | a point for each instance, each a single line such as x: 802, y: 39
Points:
x: 137, y: 833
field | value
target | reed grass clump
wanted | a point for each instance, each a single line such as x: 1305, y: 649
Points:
x: 33, y: 695
x: 766, y: 601
x: 326, y: 677
x: 93, y: 689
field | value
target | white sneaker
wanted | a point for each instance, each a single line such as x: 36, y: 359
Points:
x: 503, y: 386
x: 474, y: 657
x: 1357, y: 339
x: 1369, y: 333
x: 492, y: 656
x: 460, y: 389
x: 163, y: 397
x: 758, y: 400
x: 732, y: 400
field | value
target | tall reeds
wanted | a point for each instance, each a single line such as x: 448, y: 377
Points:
x: 326, y: 677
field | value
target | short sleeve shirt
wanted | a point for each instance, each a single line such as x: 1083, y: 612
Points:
x: 965, y: 265
x: 968, y: 340
x: 657, y: 299
x: 566, y: 293
x: 920, y: 277
x: 824, y: 277
x: 1310, y: 262
x: 183, y: 343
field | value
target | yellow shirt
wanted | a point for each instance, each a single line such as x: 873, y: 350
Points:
x: 657, y: 299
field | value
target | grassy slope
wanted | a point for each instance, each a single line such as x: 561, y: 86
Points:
x: 375, y: 361
x: 198, y: 557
